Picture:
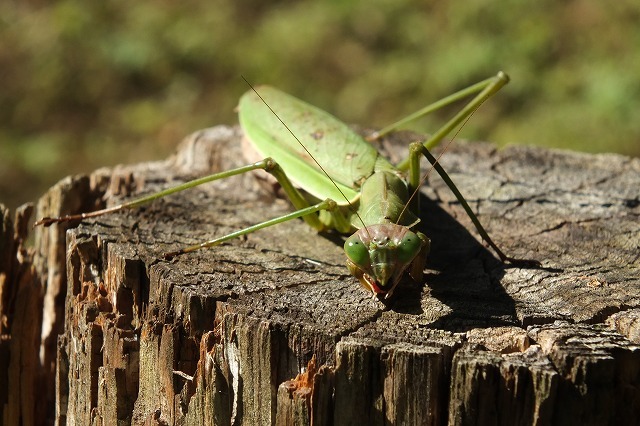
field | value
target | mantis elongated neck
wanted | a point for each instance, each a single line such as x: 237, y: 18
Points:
x: 383, y: 197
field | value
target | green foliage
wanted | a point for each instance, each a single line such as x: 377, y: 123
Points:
x: 87, y: 84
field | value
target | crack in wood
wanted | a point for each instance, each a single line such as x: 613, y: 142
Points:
x: 433, y: 355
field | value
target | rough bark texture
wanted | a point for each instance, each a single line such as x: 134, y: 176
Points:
x: 115, y: 335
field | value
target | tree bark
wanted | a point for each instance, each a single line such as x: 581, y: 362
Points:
x: 226, y: 335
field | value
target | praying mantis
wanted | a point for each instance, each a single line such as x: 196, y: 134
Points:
x: 337, y: 180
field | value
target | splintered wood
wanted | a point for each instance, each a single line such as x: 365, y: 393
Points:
x: 227, y: 335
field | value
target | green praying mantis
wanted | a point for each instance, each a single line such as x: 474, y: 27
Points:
x: 337, y: 180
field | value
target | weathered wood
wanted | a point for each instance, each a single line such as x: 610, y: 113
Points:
x: 20, y: 325
x: 216, y: 336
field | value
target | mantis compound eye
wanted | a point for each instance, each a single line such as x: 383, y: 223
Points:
x: 408, y: 247
x: 356, y: 250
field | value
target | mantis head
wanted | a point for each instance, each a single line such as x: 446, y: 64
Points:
x: 379, y: 254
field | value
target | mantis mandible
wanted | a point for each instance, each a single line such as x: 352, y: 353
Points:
x: 337, y: 180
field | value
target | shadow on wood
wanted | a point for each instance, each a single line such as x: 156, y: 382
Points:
x: 219, y: 336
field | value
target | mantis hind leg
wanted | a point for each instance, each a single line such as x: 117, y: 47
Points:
x: 303, y: 208
x: 267, y: 164
x: 488, y: 88
x: 485, y: 89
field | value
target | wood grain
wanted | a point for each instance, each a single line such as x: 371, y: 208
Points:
x: 219, y: 336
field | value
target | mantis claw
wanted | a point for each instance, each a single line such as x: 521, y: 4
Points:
x: 46, y: 222
x: 523, y: 263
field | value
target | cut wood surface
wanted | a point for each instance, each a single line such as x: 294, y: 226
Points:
x: 224, y: 335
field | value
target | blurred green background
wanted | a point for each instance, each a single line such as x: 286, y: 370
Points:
x: 90, y: 84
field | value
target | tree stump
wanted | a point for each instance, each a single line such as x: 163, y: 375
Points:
x: 271, y: 328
